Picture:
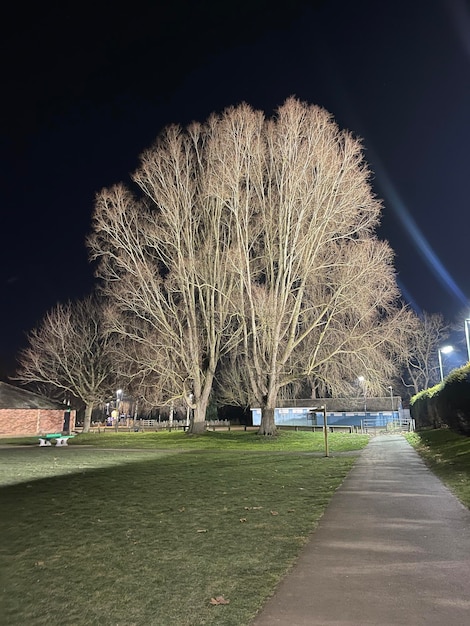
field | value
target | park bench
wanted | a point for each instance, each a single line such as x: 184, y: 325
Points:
x: 60, y: 440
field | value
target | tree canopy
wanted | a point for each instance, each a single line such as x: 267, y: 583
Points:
x: 249, y: 252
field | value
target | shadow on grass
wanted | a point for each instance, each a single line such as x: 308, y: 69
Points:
x: 151, y: 541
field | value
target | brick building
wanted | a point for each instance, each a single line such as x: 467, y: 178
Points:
x: 23, y: 413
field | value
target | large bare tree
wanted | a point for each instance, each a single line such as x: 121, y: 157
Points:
x: 318, y: 295
x: 165, y: 261
x: 69, y: 351
x: 254, y: 237
x: 421, y: 363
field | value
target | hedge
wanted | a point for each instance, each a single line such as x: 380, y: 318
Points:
x: 447, y: 403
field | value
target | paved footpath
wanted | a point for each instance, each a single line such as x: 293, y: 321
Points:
x: 393, y: 548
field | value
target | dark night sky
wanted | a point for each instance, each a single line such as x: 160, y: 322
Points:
x: 85, y: 88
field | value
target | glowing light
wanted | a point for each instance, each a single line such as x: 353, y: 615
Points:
x: 467, y: 337
x: 411, y: 228
x: 444, y: 350
x: 423, y: 246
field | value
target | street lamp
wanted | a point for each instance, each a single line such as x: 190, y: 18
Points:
x: 444, y: 350
x: 467, y: 337
x: 391, y: 397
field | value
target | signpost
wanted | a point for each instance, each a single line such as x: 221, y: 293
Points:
x: 325, y: 425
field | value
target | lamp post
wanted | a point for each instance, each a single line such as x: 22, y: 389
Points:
x: 440, y: 352
x: 467, y: 337
x: 391, y: 397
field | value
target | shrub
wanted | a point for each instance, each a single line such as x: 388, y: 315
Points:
x: 453, y: 401
x: 423, y: 408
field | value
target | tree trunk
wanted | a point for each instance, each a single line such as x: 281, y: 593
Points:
x: 198, y: 418
x: 87, y: 419
x: 199, y: 408
x: 267, y: 426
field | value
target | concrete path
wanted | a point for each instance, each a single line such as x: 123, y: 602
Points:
x: 392, y: 548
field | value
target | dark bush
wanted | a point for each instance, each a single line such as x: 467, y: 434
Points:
x: 423, y: 408
x: 453, y: 401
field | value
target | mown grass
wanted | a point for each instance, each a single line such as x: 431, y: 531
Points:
x: 19, y: 465
x: 300, y: 441
x: 448, y: 455
x: 147, y: 538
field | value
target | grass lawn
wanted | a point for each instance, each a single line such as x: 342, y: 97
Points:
x: 285, y: 441
x: 448, y: 455
x: 148, y: 537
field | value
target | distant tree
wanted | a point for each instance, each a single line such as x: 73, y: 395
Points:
x: 141, y: 364
x: 69, y: 351
x: 421, y: 362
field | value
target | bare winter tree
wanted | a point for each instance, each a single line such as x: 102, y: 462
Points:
x: 318, y: 295
x: 69, y: 351
x: 421, y: 363
x: 165, y: 261
x: 255, y: 234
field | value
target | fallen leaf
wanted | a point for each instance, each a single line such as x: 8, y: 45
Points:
x: 202, y: 530
x: 242, y: 519
x: 274, y: 513
x: 181, y: 509
x: 219, y: 600
x: 39, y: 563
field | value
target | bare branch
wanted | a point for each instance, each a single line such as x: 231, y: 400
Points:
x: 69, y: 351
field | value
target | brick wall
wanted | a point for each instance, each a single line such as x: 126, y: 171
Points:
x: 17, y: 422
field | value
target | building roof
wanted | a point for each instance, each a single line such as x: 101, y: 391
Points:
x: 15, y: 398
x: 342, y: 405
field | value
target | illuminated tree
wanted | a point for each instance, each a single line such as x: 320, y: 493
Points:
x: 253, y: 238
x: 318, y: 295
x: 165, y: 261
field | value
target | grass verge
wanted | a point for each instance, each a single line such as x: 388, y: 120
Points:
x: 145, y: 538
x: 448, y: 456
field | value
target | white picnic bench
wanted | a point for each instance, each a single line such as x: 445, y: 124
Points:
x: 60, y: 440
